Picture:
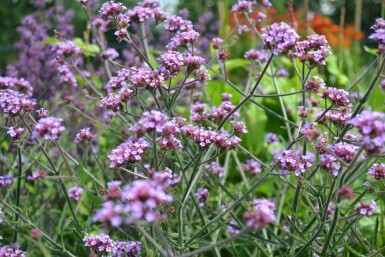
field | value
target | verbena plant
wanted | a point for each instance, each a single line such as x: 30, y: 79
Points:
x: 163, y: 152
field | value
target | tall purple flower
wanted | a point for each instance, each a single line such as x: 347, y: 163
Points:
x: 48, y: 128
x: 111, y: 9
x: 289, y: 162
x: 379, y: 34
x: 371, y: 126
x: 314, y: 50
x: 101, y: 243
x: 129, y: 152
x: 279, y: 37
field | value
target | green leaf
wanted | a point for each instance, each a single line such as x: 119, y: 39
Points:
x: 372, y: 51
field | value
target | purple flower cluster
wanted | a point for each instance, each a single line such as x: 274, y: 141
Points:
x: 127, y: 249
x: 261, y: 214
x: 100, y: 243
x: 116, y: 101
x: 330, y: 164
x: 12, y: 103
x: 183, y: 39
x: 110, y: 9
x: 377, y: 171
x: 258, y: 55
x: 290, y: 162
x: 203, y: 195
x: 159, y: 123
x: 230, y: 228
x: 365, y: 209
x: 174, y: 24
x: 338, y: 116
x: 147, y: 78
x: 279, y: 37
x: 37, y: 175
x: 243, y: 6
x: 204, y: 137
x: 142, y: 198
x: 48, y: 128
x: 379, y: 34
x: 6, y: 181
x: 314, y: 50
x: 130, y: 151
x: 252, y: 166
x: 346, y: 192
x: 239, y: 127
x: 11, y: 251
x: 310, y: 132
x: 84, y: 136
x: 215, y: 168
x: 15, y: 134
x: 75, y: 193
x: 315, y: 84
x: 271, y: 138
x: 172, y: 63
x: 110, y: 214
x: 21, y: 85
x: 339, y: 97
x: 371, y: 126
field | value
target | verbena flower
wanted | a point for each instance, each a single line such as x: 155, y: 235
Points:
x: 315, y: 84
x: 314, y: 50
x: 48, y: 128
x: 371, y: 126
x: 84, y: 136
x: 289, y: 162
x: 143, y: 197
x: 100, y: 243
x: 15, y: 134
x: 171, y: 63
x: 75, y: 193
x: 279, y: 37
x: 339, y: 97
x: 243, y: 6
x: 110, y: 213
x: 129, y: 152
x: 127, y: 249
x: 215, y: 168
x: 345, y: 192
x: 252, y: 166
x: 202, y: 194
x: 11, y: 251
x: 365, y: 209
x: 147, y: 78
x: 12, y: 103
x: 377, y: 171
x: 379, y: 34
x: 6, y: 181
x: 271, y: 138
x: 231, y: 227
x: 111, y: 9
x: 261, y: 213
x: 21, y: 85
x: 116, y: 101
x: 175, y: 23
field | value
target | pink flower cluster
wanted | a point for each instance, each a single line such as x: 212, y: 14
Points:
x: 100, y: 243
x: 371, y: 126
x: 339, y: 97
x: 115, y: 102
x: 252, y: 166
x: 314, y: 50
x: 11, y: 251
x: 21, y: 85
x: 204, y: 137
x: 15, y: 133
x: 377, y: 171
x: 12, y: 103
x: 142, y: 197
x: 147, y: 78
x: 129, y: 152
x: 203, y: 195
x: 75, y: 193
x: 257, y: 55
x: 261, y: 214
x: 49, y: 128
x: 110, y: 9
x: 84, y: 136
x: 379, y: 34
x: 215, y: 168
x: 174, y: 24
x: 279, y: 37
x: 365, y: 209
x: 6, y: 181
x: 243, y: 6
x: 290, y: 162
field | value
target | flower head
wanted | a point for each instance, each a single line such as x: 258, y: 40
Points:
x: 48, y: 128
x: 279, y: 37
